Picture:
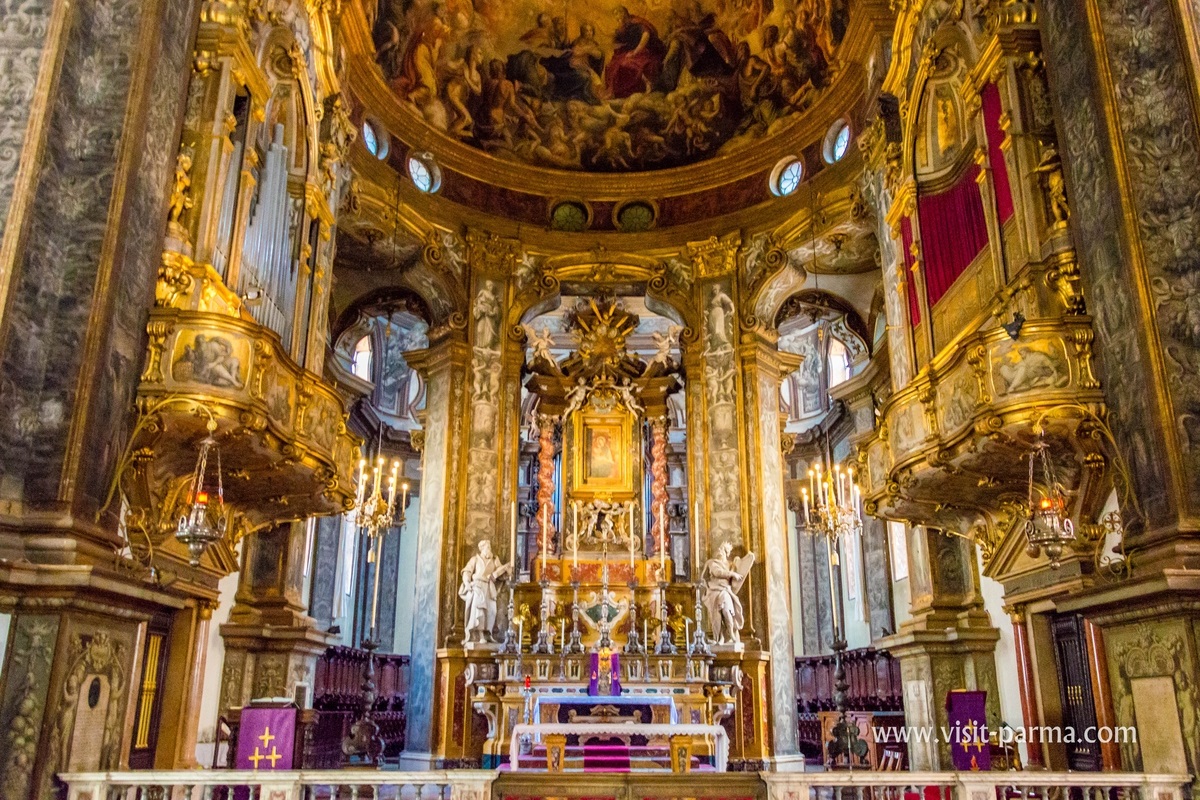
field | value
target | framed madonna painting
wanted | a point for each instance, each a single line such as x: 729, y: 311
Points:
x: 602, y: 460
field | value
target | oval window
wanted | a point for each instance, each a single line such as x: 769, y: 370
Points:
x: 569, y: 216
x: 786, y: 177
x: 375, y: 140
x: 424, y: 172
x: 837, y: 141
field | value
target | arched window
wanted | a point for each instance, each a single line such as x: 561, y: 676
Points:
x: 360, y: 363
x: 839, y: 363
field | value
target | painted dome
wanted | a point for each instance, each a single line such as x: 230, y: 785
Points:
x: 607, y: 86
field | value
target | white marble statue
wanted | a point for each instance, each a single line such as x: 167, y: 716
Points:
x: 541, y: 344
x: 479, y: 591
x: 723, y: 578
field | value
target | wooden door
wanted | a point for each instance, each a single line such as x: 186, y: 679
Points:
x: 149, y: 693
x: 1075, y: 688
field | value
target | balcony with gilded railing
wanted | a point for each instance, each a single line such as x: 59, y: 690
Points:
x: 951, y: 448
x: 285, y: 451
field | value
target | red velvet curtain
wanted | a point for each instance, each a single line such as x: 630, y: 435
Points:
x: 995, y: 135
x: 953, y: 232
x: 906, y: 241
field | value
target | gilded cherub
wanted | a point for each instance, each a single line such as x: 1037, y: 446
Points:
x: 181, y: 192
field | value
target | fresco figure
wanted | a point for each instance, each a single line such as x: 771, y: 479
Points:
x: 638, y: 56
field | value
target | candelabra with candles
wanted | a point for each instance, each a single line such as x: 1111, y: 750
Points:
x: 834, y: 513
x: 374, y: 514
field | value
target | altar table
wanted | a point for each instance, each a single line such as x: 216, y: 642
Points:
x: 562, y: 729
x: 585, y: 702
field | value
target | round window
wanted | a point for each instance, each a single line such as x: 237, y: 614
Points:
x: 786, y: 177
x: 635, y: 217
x: 837, y: 141
x: 424, y: 172
x: 569, y: 216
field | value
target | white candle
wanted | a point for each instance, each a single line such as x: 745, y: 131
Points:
x: 804, y: 496
x: 662, y: 539
x: 544, y: 530
x: 632, y: 565
x: 646, y: 632
x: 520, y: 633
x: 562, y: 631
x: 687, y: 633
x: 575, y: 541
x: 512, y: 544
x: 696, y: 543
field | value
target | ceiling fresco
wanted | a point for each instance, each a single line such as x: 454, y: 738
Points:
x: 605, y: 86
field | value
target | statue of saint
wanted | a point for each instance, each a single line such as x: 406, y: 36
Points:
x: 479, y: 590
x: 723, y: 578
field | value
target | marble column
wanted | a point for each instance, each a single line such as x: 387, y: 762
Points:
x: 444, y: 367
x: 658, y: 486
x: 545, y: 489
x: 949, y: 643
x: 763, y: 365
x: 1025, y: 682
x: 271, y: 644
x: 1121, y: 75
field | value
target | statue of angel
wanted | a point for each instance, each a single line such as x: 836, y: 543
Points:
x: 541, y: 343
x: 664, y: 344
x: 576, y: 397
x: 628, y: 396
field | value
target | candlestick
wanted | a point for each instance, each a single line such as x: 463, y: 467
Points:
x: 832, y: 596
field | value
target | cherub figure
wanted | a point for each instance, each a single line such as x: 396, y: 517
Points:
x: 181, y: 192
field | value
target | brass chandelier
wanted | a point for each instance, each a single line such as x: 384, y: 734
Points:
x: 196, y: 530
x: 1048, y: 525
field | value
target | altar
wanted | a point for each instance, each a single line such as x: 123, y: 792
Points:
x: 606, y: 589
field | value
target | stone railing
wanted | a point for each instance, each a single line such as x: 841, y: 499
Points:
x: 485, y: 785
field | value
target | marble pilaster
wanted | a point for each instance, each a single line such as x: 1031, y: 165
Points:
x: 444, y: 367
